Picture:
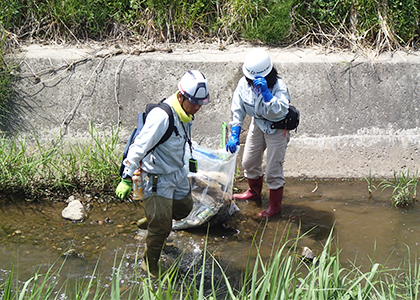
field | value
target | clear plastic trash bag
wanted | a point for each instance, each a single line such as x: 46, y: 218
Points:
x: 211, y: 186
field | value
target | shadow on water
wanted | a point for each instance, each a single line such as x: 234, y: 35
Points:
x: 34, y: 235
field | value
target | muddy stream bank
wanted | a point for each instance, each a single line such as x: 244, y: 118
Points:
x: 34, y: 235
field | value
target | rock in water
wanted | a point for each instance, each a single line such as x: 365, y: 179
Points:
x: 74, y: 211
x: 308, y: 254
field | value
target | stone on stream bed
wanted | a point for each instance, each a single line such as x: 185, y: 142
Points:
x: 74, y: 211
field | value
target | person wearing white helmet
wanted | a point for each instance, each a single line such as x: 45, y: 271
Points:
x: 166, y: 188
x: 264, y: 96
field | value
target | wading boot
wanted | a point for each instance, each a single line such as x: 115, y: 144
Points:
x: 142, y: 223
x: 150, y: 263
x: 254, y: 191
x: 276, y: 196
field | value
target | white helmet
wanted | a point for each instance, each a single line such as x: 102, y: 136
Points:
x: 257, y: 63
x: 193, y: 85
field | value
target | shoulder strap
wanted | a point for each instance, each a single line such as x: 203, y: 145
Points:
x: 171, y: 127
x: 140, y: 122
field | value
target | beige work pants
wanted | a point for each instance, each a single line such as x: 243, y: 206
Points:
x: 256, y: 143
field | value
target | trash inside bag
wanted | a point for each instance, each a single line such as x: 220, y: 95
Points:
x: 211, y: 187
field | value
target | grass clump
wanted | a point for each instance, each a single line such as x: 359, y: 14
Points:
x: 404, y: 188
x: 273, y: 26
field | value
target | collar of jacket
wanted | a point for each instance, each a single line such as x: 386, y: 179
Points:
x: 185, y: 118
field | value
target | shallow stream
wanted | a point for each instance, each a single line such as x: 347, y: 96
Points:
x: 35, y: 236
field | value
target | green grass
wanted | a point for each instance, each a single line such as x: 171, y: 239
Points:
x: 37, y: 170
x: 284, y: 276
x: 404, y: 188
x: 6, y: 82
x: 370, y: 185
x: 273, y: 26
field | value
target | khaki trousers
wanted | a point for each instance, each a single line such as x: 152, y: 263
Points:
x: 256, y: 143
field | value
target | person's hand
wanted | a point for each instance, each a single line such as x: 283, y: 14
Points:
x: 234, y: 139
x: 123, y: 189
x: 265, y: 92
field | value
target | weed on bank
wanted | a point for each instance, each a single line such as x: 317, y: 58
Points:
x: 36, y: 170
x: 374, y: 24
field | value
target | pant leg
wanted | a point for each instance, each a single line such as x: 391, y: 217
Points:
x: 158, y: 212
x: 253, y: 152
x: 182, y: 208
x: 182, y: 198
x: 161, y: 205
x: 276, y: 151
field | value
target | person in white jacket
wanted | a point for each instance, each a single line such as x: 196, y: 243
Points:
x: 264, y: 96
x: 166, y: 187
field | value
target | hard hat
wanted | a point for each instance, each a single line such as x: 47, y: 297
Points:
x: 257, y: 63
x: 193, y: 85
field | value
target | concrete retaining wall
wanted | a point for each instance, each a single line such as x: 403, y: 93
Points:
x: 358, y: 114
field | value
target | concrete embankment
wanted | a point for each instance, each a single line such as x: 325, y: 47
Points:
x: 359, y: 114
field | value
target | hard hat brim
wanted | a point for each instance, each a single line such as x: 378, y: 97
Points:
x: 263, y: 73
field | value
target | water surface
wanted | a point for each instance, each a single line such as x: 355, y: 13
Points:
x: 33, y: 236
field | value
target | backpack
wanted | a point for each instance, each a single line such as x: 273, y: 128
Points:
x: 141, y: 118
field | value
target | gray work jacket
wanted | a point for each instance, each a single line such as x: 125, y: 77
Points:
x: 247, y: 100
x: 166, y: 158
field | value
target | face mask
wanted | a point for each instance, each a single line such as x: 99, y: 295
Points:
x: 256, y: 89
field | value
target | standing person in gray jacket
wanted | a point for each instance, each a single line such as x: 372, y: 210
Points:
x: 166, y: 187
x: 261, y: 94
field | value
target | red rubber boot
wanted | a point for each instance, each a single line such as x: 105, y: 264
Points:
x: 276, y: 197
x: 254, y: 191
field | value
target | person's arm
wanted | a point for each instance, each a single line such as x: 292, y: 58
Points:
x: 277, y: 108
x: 155, y: 126
x: 237, y: 107
x: 238, y: 115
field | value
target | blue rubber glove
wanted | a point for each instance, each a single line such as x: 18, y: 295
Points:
x: 233, y: 142
x: 123, y: 189
x: 265, y: 92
